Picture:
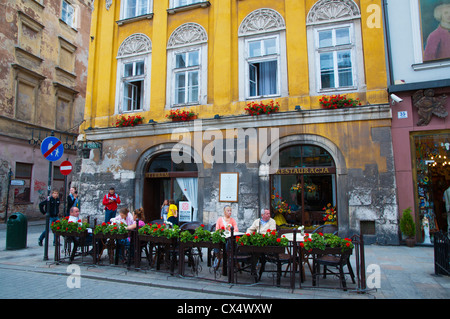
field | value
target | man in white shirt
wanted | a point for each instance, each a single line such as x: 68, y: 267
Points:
x: 261, y: 225
x: 74, y: 214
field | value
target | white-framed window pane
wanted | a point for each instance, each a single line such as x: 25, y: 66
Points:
x: 325, y: 39
x: 140, y: 68
x: 342, y: 36
x: 270, y: 46
x: 327, y: 70
x: 180, y: 60
x: 193, y: 58
x: 254, y: 49
x: 193, y: 86
x: 129, y: 97
x: 180, y: 88
x: 67, y: 13
x: 130, y: 8
x: 253, y: 79
x: 128, y: 70
x: 344, y: 59
x: 180, y: 3
x: 143, y: 7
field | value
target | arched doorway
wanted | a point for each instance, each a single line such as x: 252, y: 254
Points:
x: 165, y: 179
x: 304, y: 184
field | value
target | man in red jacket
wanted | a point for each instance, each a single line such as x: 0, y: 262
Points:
x: 110, y: 201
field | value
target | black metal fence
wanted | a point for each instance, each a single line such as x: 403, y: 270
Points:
x: 441, y: 254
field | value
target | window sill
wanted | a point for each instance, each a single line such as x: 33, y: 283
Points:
x: 203, y: 4
x: 338, y: 90
x: 431, y: 65
x: 134, y: 19
x: 184, y: 105
x: 68, y: 25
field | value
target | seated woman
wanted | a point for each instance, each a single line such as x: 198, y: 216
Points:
x: 124, y: 217
x: 226, y: 221
x: 138, y: 214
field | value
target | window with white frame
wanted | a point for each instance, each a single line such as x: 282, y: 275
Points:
x: 133, y: 85
x: 262, y: 55
x: 334, y: 53
x: 263, y: 60
x: 133, y: 74
x: 182, y: 3
x: 187, y: 66
x: 135, y: 8
x: 68, y: 13
x: 186, y: 71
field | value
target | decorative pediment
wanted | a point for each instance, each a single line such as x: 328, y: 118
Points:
x: 137, y: 43
x: 330, y: 10
x: 187, y: 34
x: 260, y: 21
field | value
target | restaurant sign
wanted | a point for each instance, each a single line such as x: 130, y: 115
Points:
x: 305, y: 170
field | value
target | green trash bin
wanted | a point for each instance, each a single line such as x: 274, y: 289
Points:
x: 16, y: 232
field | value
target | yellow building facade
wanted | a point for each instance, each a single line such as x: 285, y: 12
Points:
x: 215, y: 58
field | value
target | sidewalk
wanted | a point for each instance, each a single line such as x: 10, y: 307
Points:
x: 405, y: 273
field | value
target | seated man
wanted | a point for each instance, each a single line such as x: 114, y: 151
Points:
x: 261, y: 225
x: 74, y: 215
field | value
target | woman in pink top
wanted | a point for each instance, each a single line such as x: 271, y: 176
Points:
x: 226, y: 221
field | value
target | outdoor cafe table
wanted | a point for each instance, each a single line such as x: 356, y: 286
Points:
x: 113, y: 250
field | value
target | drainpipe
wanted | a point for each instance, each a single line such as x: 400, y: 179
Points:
x: 387, y: 39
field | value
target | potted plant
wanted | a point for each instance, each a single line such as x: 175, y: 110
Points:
x: 338, y: 102
x: 255, y: 108
x: 179, y: 115
x: 124, y: 121
x: 408, y: 227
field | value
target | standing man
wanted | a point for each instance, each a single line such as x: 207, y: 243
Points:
x: 54, y: 211
x: 110, y: 201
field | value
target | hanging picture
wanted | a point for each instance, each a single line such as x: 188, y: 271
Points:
x: 435, y: 26
x: 229, y: 187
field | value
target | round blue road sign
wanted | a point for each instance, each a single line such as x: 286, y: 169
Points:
x: 52, y: 149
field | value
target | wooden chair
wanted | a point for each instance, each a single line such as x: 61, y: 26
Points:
x: 338, y: 261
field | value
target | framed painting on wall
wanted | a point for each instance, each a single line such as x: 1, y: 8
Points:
x: 435, y: 28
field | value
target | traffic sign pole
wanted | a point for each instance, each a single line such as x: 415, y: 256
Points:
x: 52, y: 150
x: 47, y: 214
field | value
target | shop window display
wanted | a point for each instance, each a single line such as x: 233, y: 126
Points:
x: 303, y: 187
x: 432, y: 164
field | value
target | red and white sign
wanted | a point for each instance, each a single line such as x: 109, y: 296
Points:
x: 65, y: 168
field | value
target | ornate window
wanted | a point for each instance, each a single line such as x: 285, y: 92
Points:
x: 187, y: 66
x: 262, y: 55
x: 335, y: 47
x: 133, y: 74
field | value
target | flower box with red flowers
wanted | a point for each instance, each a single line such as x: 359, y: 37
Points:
x: 65, y: 227
x: 255, y: 108
x: 181, y: 115
x: 262, y: 243
x: 159, y: 233
x: 124, y: 121
x: 318, y: 241
x: 338, y: 102
x: 111, y: 230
